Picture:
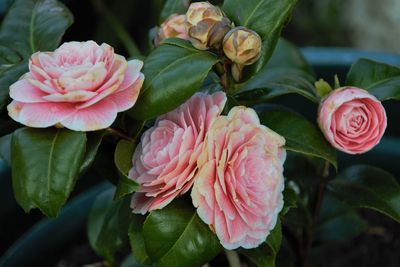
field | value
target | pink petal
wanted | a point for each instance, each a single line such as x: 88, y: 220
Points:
x: 98, y: 116
x: 127, y: 98
x: 25, y: 92
x: 132, y: 73
x: 74, y: 96
x: 40, y: 115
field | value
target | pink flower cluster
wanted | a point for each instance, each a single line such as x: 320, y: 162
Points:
x: 81, y: 86
x: 234, y: 162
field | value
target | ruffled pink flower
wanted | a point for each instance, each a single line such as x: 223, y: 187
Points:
x: 81, y: 86
x: 238, y: 188
x: 352, y: 120
x: 164, y: 163
x: 173, y: 26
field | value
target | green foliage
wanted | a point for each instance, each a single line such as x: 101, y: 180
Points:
x: 368, y: 187
x: 123, y: 160
x: 136, y: 239
x: 108, y: 225
x: 29, y: 26
x: 93, y: 142
x: 174, y: 71
x: 266, y: 17
x: 175, y: 236
x: 322, y: 87
x: 301, y: 135
x: 381, y: 80
x: 287, y: 72
x: 45, y: 166
x: 173, y: 7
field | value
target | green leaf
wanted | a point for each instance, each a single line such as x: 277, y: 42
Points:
x: 108, y: 225
x: 337, y: 221
x: 9, y: 73
x: 123, y: 160
x: 381, y: 80
x: 301, y: 135
x: 5, y: 148
x: 265, y: 254
x: 173, y: 7
x: 289, y: 199
x: 175, y: 236
x: 322, y: 87
x: 174, y: 71
x: 34, y: 25
x: 136, y: 240
x: 29, y: 26
x: 368, y: 187
x: 45, y: 167
x: 266, y: 17
x: 287, y: 72
x: 93, y: 142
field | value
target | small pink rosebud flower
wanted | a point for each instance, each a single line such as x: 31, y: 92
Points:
x: 206, y: 25
x: 352, y: 120
x: 238, y: 189
x: 174, y: 26
x: 164, y: 163
x: 81, y: 86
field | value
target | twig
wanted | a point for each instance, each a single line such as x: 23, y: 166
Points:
x: 120, y: 134
x: 233, y: 258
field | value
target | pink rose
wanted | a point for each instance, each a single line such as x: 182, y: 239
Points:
x: 81, y: 86
x: 238, y: 188
x: 173, y: 26
x: 164, y: 163
x: 352, y: 120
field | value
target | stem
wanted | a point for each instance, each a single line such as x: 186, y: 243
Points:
x: 317, y: 210
x: 118, y: 28
x: 233, y: 258
x: 120, y: 134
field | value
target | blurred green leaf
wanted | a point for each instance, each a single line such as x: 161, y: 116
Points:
x: 9, y: 73
x: 322, y: 87
x: 45, y: 167
x: 136, y: 239
x: 5, y: 148
x: 368, y: 187
x: 266, y: 17
x: 175, y: 236
x: 337, y: 221
x: 108, y: 225
x: 173, y: 7
x: 265, y: 254
x: 381, y: 80
x: 93, y: 142
x: 301, y: 135
x: 174, y: 71
x: 123, y: 160
x: 287, y: 72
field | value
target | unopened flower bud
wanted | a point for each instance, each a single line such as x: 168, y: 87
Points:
x: 206, y: 25
x: 242, y: 46
x: 173, y: 26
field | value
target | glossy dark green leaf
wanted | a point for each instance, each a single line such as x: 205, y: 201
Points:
x: 289, y: 199
x: 93, y: 142
x: 337, y: 222
x: 287, y: 72
x: 136, y: 239
x: 9, y: 73
x: 368, y: 187
x: 45, y: 167
x: 174, y: 71
x: 34, y: 25
x: 175, y: 236
x: 266, y: 17
x: 108, y: 225
x: 173, y: 7
x: 123, y: 160
x: 381, y: 80
x: 265, y: 254
x: 301, y: 135
x: 5, y: 148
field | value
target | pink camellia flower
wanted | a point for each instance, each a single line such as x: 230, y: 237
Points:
x: 238, y: 188
x: 80, y: 85
x: 164, y: 163
x: 352, y: 120
x: 173, y: 26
